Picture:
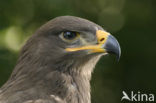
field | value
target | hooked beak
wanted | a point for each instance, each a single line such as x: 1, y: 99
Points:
x: 112, y: 46
x: 106, y: 44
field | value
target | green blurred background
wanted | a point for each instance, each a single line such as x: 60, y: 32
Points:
x: 132, y: 22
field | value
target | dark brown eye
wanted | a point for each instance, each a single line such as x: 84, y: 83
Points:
x: 69, y: 35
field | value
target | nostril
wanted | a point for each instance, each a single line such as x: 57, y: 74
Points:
x: 102, y: 39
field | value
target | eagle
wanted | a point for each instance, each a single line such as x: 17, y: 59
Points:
x: 56, y: 62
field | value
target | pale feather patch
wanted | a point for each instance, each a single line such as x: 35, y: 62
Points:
x: 29, y: 101
x: 58, y: 99
x: 87, y: 69
x: 72, y: 87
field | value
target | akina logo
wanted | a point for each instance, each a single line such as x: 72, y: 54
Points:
x: 138, y: 96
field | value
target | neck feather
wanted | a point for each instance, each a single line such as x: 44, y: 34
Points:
x: 68, y: 80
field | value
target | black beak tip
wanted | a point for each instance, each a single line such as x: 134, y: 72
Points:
x: 118, y: 55
x: 112, y: 46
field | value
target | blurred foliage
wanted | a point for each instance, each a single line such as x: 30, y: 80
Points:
x: 131, y: 21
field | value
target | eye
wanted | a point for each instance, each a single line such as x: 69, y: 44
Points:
x: 69, y: 36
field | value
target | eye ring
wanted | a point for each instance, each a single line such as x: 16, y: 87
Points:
x: 69, y: 35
